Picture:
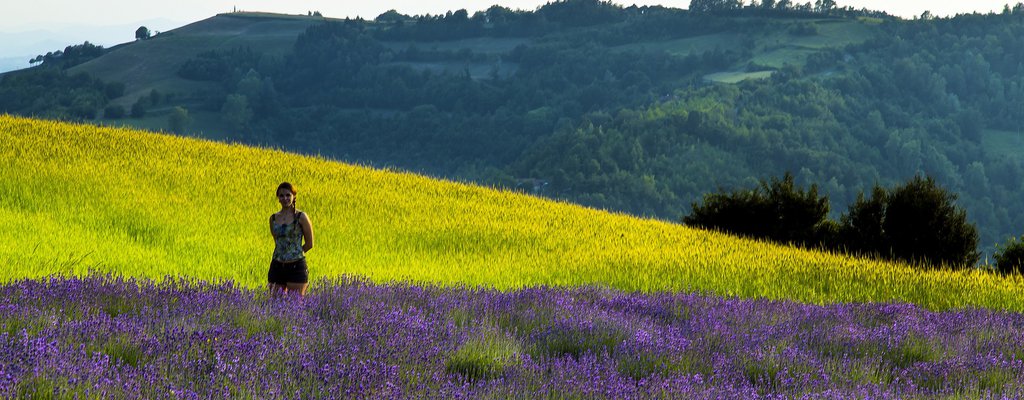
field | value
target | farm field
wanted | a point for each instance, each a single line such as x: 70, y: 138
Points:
x: 139, y: 204
x: 137, y: 263
x: 737, y: 77
x: 103, y: 337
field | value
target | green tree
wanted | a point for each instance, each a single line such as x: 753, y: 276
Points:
x: 917, y: 222
x: 155, y: 98
x: 179, y: 119
x: 712, y: 6
x: 142, y: 33
x: 113, y: 111
x: 1010, y: 256
x: 777, y: 211
x: 236, y: 111
x: 139, y: 107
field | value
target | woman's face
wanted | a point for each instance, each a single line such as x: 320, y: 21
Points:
x: 286, y: 197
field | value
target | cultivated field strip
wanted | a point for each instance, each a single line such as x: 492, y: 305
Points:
x: 105, y: 337
x: 79, y: 198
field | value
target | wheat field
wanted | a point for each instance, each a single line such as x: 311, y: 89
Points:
x: 80, y: 199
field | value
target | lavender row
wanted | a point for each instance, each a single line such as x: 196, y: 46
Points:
x: 102, y: 336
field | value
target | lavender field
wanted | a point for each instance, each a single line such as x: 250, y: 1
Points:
x: 102, y: 337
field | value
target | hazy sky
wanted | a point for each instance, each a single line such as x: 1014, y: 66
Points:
x: 19, y: 15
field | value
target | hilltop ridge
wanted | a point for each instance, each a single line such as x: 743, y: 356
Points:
x: 152, y: 64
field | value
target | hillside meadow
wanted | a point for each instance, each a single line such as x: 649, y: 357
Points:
x: 80, y: 199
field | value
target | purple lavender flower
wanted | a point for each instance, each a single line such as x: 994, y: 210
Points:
x: 105, y: 336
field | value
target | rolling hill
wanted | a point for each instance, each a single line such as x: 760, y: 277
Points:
x: 80, y: 199
x: 147, y: 65
x: 150, y: 64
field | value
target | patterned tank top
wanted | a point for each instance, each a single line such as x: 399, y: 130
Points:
x: 287, y: 239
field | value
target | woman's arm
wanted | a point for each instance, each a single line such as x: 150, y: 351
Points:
x: 307, y: 232
x: 272, y: 227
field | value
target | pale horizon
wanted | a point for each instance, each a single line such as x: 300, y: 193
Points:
x: 24, y: 16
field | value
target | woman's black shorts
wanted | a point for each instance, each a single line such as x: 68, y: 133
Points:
x: 292, y: 272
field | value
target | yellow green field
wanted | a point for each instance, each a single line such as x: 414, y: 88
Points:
x: 79, y: 198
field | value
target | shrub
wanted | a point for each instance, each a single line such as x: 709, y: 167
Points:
x: 179, y: 119
x: 777, y: 211
x: 113, y: 112
x: 1010, y: 256
x: 485, y: 356
x: 916, y: 222
x: 139, y: 108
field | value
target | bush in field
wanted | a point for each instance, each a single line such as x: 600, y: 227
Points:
x: 1010, y: 256
x: 916, y: 222
x: 139, y: 108
x: 113, y: 111
x: 179, y: 119
x: 777, y: 211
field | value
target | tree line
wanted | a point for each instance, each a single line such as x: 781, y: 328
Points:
x: 916, y: 222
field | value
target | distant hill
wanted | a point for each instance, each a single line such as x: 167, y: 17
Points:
x: 152, y: 64
x: 13, y: 63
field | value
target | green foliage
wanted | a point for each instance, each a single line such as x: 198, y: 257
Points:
x: 1010, y: 256
x: 139, y: 107
x: 52, y: 92
x: 179, y: 119
x: 113, y: 90
x: 777, y: 211
x: 114, y: 111
x: 484, y: 356
x: 581, y: 12
x: 566, y: 339
x: 804, y: 29
x: 713, y: 6
x: 219, y: 66
x: 917, y: 222
x: 70, y: 56
x: 236, y: 110
x: 142, y: 33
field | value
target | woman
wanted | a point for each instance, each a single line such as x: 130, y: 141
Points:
x: 288, y: 271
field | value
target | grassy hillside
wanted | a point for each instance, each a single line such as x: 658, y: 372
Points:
x: 153, y: 64
x: 80, y: 198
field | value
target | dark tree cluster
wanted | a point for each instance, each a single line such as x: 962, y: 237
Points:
x: 50, y: 92
x: 499, y: 21
x: 219, y: 66
x: 777, y: 210
x: 70, y: 56
x: 917, y: 222
x: 1010, y: 257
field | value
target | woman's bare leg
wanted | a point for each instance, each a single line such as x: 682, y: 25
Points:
x: 299, y: 288
x: 276, y: 288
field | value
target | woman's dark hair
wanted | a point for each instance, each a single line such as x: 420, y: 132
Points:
x: 286, y: 185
